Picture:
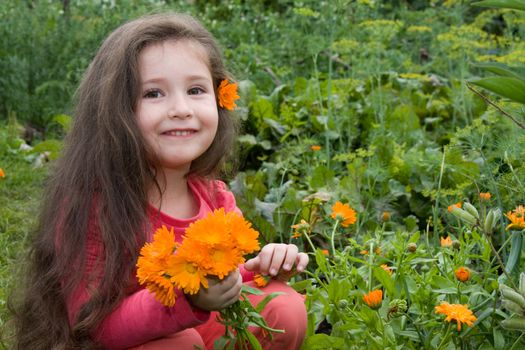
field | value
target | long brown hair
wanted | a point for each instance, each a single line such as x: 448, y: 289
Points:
x: 102, y: 178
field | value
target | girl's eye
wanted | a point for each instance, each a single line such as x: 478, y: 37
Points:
x: 195, y: 91
x: 154, y: 93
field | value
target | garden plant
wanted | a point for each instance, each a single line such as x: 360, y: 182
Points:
x: 385, y: 138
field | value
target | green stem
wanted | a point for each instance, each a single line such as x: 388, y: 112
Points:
x: 517, y: 341
x: 445, y: 337
x: 332, y: 237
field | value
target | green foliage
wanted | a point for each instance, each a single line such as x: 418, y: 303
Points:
x: 380, y: 88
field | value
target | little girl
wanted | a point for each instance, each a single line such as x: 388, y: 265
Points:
x: 150, y: 134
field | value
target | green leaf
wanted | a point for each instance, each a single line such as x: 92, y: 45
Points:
x: 508, y: 87
x: 386, y: 281
x: 64, y: 120
x: 508, y: 4
x: 266, y: 300
x: 51, y: 145
x: 323, y: 341
x: 498, y: 69
x: 253, y: 341
x: 321, y: 176
x: 250, y: 290
x: 515, y: 251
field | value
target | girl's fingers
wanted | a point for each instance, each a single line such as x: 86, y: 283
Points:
x: 301, y: 261
x: 291, y: 257
x: 277, y: 259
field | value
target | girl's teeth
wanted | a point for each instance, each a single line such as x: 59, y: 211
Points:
x: 180, y: 132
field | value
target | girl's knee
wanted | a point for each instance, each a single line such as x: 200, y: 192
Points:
x: 188, y: 339
x: 287, y: 311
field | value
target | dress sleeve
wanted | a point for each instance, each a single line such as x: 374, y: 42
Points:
x: 139, y: 317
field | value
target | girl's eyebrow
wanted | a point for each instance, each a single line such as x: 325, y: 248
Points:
x: 190, y: 78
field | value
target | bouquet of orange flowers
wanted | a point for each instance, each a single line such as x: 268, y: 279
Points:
x: 212, y: 246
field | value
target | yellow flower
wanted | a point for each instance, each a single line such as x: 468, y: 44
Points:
x: 374, y: 299
x: 456, y: 312
x: 261, y: 280
x: 446, y: 242
x: 315, y: 148
x: 457, y: 205
x: 517, y: 218
x: 227, y: 95
x: 344, y: 213
x: 185, y: 274
x: 484, y: 196
x: 462, y: 274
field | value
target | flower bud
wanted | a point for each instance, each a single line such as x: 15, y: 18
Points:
x: 509, y: 294
x: 516, y: 323
x: 412, y: 247
x: 488, y: 224
x: 513, y: 307
x: 463, y: 215
x: 471, y: 209
x: 397, y: 307
x: 456, y: 244
x: 343, y: 303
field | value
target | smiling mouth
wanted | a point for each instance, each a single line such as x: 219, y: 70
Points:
x: 179, y: 132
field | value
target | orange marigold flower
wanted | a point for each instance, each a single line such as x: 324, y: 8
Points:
x: 227, y: 95
x: 446, y: 241
x: 315, y: 148
x: 261, y: 280
x: 2, y: 174
x: 325, y: 252
x: 517, y: 218
x: 457, y: 205
x: 462, y: 274
x: 385, y: 216
x: 456, y: 312
x: 154, y: 256
x: 163, y: 291
x: 374, y: 299
x: 363, y: 252
x: 387, y: 269
x: 484, y: 196
x: 185, y: 274
x: 301, y: 227
x: 344, y: 213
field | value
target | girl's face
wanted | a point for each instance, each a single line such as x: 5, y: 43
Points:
x: 177, y: 109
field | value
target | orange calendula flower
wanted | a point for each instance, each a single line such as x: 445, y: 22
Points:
x: 446, y: 241
x: 325, y: 252
x: 457, y: 205
x: 374, y: 299
x: 214, y: 245
x: 301, y: 227
x: 315, y: 148
x: 227, y: 95
x: 344, y: 213
x: 462, y: 274
x: 517, y: 218
x: 387, y: 269
x: 363, y: 252
x: 385, y: 216
x: 2, y: 174
x: 456, y: 312
x: 261, y: 280
x: 484, y: 196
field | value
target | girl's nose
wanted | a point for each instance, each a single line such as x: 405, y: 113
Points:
x: 179, y: 108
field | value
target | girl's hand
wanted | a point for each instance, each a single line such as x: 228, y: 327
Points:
x: 278, y: 260
x: 219, y: 294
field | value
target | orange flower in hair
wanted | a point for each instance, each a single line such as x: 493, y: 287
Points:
x: 227, y: 95
x: 374, y: 299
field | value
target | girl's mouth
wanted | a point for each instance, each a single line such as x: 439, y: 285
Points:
x: 178, y: 132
